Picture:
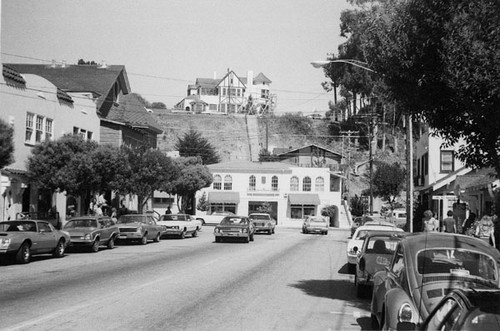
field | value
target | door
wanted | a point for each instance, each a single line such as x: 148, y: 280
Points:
x: 47, y: 238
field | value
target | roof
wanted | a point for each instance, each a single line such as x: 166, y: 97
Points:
x: 261, y: 78
x: 207, y: 82
x: 79, y: 78
x: 131, y: 112
x: 249, y: 166
x: 306, y: 146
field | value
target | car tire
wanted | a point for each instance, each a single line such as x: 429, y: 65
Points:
x: 23, y: 255
x: 94, y: 248
x: 217, y: 239
x: 325, y: 233
x: 59, y: 250
x: 272, y: 231
x: 182, y: 235
x: 111, y: 243
x: 157, y: 238
x: 374, y: 322
x: 195, y: 233
x: 269, y: 232
x: 247, y: 239
x: 144, y: 239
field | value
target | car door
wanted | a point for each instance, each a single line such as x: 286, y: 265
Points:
x: 47, y: 238
x: 105, y: 229
x: 153, y: 228
x: 190, y: 224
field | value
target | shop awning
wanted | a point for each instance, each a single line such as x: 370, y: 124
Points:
x: 223, y: 197
x: 303, y: 199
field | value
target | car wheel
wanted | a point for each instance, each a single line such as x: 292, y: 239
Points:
x: 59, y: 250
x: 95, y: 246
x: 195, y: 233
x: 157, y: 238
x: 182, y: 235
x: 111, y: 243
x: 144, y: 239
x: 272, y: 231
x: 217, y: 239
x: 374, y: 322
x: 325, y: 233
x: 23, y: 255
x: 269, y: 232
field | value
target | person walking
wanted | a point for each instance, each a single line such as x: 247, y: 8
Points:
x: 449, y: 223
x: 467, y: 225
x: 485, y: 230
x: 430, y: 223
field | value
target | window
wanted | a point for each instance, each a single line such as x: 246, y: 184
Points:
x: 301, y: 211
x: 425, y: 163
x: 264, y: 94
x: 294, y: 183
x: 38, y: 129
x: 86, y: 135
x: 212, y: 106
x: 306, y: 184
x: 263, y: 180
x: 217, y: 182
x: 251, y: 183
x: 447, y: 161
x: 228, y: 183
x: 319, y: 184
x: 274, y: 183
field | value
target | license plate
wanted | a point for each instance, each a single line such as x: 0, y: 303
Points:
x: 382, y: 260
x: 122, y: 237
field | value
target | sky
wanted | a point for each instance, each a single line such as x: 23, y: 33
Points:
x: 166, y: 44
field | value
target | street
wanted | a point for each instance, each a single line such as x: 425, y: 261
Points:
x: 287, y: 281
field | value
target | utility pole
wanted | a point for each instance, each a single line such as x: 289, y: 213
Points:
x: 409, y: 171
x: 348, y: 147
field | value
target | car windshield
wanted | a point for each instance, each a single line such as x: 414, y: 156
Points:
x: 317, y: 220
x: 233, y: 220
x: 17, y: 226
x: 173, y: 218
x: 381, y: 245
x: 259, y: 217
x: 457, y: 262
x: 88, y: 223
x: 132, y: 219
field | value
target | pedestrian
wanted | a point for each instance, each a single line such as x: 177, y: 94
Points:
x: 485, y: 230
x: 168, y: 211
x: 430, y: 223
x: 468, y: 223
x: 449, y: 223
x: 122, y: 210
x: 114, y: 215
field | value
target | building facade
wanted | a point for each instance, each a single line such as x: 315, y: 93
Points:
x: 290, y: 192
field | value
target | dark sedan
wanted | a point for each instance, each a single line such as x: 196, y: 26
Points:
x: 471, y: 310
x: 424, y: 268
x: 234, y: 227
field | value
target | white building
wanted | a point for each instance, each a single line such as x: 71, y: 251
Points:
x: 292, y: 192
x: 229, y: 94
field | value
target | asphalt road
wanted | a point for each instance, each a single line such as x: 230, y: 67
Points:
x: 286, y: 281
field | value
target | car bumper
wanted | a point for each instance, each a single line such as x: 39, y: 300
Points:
x: 231, y: 235
x: 130, y: 236
x: 172, y: 232
x: 80, y: 242
x: 320, y: 230
x: 352, y: 259
x: 263, y: 228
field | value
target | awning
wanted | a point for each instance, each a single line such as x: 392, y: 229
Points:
x: 303, y: 199
x: 223, y: 197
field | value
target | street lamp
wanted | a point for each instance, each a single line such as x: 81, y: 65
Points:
x: 409, y: 141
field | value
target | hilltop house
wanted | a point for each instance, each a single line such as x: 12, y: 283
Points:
x: 47, y: 101
x: 230, y: 94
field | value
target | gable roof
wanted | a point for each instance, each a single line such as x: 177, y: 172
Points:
x: 244, y: 166
x: 207, y: 82
x: 132, y: 112
x: 79, y: 78
x: 311, y: 145
x: 261, y: 78
x: 235, y: 75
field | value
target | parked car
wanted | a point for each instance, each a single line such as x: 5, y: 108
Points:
x: 139, y: 227
x: 398, y: 217
x: 356, y: 223
x: 234, y: 227
x: 316, y: 224
x: 22, y: 239
x: 375, y: 253
x: 91, y: 232
x: 471, y: 310
x: 263, y: 222
x: 180, y: 225
x: 424, y: 268
x: 356, y: 241
x: 214, y: 218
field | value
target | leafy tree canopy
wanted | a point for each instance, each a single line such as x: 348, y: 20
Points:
x: 6, y: 144
x: 193, y: 144
x: 158, y: 105
x: 388, y: 181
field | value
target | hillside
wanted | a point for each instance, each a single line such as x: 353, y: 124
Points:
x: 233, y: 139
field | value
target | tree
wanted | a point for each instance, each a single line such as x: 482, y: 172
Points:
x: 6, y: 144
x: 148, y: 170
x: 62, y: 164
x: 83, y: 62
x: 358, y: 206
x: 193, y: 177
x: 388, y: 181
x: 203, y: 203
x: 193, y: 144
x: 158, y: 105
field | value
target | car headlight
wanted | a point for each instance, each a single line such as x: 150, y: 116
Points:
x: 405, y: 313
x: 216, y: 230
x: 5, y: 243
x: 244, y: 230
x: 139, y: 229
x: 88, y: 236
x: 175, y: 227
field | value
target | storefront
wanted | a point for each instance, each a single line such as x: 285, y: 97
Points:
x: 301, y: 205
x: 223, y: 201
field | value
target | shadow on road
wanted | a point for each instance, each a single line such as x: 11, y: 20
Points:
x: 335, y: 289
x: 345, y: 270
x: 365, y: 323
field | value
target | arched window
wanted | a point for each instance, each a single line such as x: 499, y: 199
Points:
x: 319, y: 184
x: 251, y: 183
x: 274, y: 183
x: 294, y: 183
x: 217, y: 182
x: 306, y: 184
x: 228, y: 183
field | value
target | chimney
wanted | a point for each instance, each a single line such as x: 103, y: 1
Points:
x: 249, y: 78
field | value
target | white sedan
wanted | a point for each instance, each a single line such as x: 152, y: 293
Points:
x: 356, y: 241
x: 180, y: 225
